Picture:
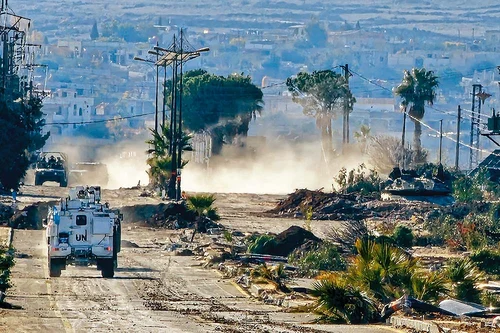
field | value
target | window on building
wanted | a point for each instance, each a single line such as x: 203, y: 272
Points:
x: 80, y: 112
x: 132, y: 109
x: 64, y: 94
x: 74, y: 106
x: 59, y: 110
x: 79, y: 92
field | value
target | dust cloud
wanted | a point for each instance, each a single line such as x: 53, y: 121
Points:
x: 125, y: 161
x: 127, y: 165
x: 277, y: 168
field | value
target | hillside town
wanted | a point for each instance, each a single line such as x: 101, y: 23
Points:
x: 91, y: 74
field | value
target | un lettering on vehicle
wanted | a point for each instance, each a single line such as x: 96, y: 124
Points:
x: 81, y: 237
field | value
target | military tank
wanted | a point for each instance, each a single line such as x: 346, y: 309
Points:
x: 410, y: 184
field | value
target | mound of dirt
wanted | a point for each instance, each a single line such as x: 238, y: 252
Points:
x: 289, y: 240
x: 156, y: 215
x: 347, y: 207
x: 170, y: 215
x: 31, y: 216
x: 129, y: 244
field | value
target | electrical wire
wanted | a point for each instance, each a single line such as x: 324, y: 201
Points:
x: 100, y: 120
x: 380, y: 87
x: 428, y: 126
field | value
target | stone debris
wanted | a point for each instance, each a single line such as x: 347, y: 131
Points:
x: 346, y: 207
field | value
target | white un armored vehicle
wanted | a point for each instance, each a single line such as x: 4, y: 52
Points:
x: 82, y: 231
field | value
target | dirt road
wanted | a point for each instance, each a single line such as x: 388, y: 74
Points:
x: 153, y: 291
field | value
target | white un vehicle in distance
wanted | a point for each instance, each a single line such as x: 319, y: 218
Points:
x: 82, y: 231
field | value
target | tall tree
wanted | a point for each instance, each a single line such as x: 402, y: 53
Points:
x: 94, y: 33
x: 316, y: 34
x: 224, y: 106
x: 417, y: 88
x: 320, y: 95
x: 21, y: 122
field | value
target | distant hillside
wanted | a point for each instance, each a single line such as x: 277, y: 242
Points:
x: 435, y: 15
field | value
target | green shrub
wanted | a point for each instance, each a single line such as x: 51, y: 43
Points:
x: 6, y: 263
x: 464, y: 274
x: 212, y: 214
x: 487, y: 260
x: 324, y: 257
x: 256, y: 245
x: 403, y: 236
x: 466, y: 189
x: 489, y: 299
x: 356, y: 180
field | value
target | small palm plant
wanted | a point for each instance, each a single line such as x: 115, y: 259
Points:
x: 6, y: 263
x: 202, y: 206
x: 383, y: 269
x: 274, y: 274
x: 429, y: 287
x: 464, y: 274
x: 340, y: 301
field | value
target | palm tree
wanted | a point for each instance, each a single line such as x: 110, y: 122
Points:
x: 362, y: 136
x: 417, y: 88
x: 383, y: 269
x: 160, y: 160
x: 320, y: 94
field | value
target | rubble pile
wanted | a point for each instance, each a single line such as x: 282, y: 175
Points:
x: 30, y: 217
x: 289, y: 240
x: 346, y: 207
x: 170, y: 215
x: 317, y: 200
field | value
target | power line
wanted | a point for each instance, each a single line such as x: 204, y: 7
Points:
x: 100, y: 120
x: 426, y: 125
x: 284, y: 82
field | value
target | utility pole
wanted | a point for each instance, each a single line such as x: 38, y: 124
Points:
x: 173, y: 126
x: 164, y: 89
x: 403, y: 137
x: 175, y: 55
x: 457, y: 147
x: 345, y: 127
x: 179, y: 138
x: 440, y: 141
x: 156, y: 93
x: 476, y: 88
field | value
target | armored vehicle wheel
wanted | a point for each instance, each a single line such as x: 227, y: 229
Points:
x: 63, y: 183
x: 54, y: 268
x: 107, y: 268
x: 38, y: 181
